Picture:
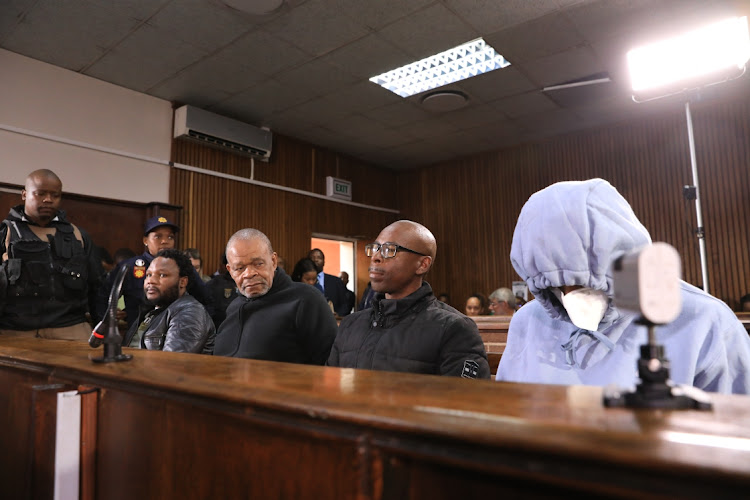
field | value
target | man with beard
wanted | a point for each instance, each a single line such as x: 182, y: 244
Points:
x: 173, y: 320
x: 407, y: 329
x: 159, y: 233
x: 274, y: 318
x: 48, y: 277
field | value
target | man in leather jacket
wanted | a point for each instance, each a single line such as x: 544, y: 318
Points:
x: 48, y: 277
x: 407, y: 329
x: 173, y: 320
x: 159, y: 233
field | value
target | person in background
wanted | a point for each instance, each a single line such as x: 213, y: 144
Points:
x: 197, y: 262
x: 171, y: 320
x: 274, y: 318
x: 158, y: 234
x: 407, y: 329
x: 306, y: 272
x: 745, y: 303
x: 565, y: 240
x: 344, y: 277
x: 223, y: 291
x: 476, y: 305
x: 50, y: 274
x: 444, y: 298
x: 367, y: 296
x: 502, y: 302
x: 332, y: 286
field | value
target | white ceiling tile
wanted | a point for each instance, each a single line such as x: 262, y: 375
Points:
x: 199, y: 23
x: 536, y: 38
x: 496, y: 84
x: 264, y: 53
x: 379, y: 13
x: 45, y: 33
x: 368, y: 56
x: 401, y: 113
x: 319, y: 76
x: 562, y: 67
x: 428, y: 31
x: 304, y: 68
x: 524, y: 104
x: 488, y: 16
x: 317, y: 27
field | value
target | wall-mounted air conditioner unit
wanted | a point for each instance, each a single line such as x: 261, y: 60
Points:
x: 221, y: 132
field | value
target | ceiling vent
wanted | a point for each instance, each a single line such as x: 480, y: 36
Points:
x: 221, y: 132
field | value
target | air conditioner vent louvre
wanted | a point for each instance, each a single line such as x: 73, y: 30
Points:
x: 220, y: 132
x: 225, y: 143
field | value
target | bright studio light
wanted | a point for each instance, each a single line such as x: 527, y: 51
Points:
x: 707, y: 55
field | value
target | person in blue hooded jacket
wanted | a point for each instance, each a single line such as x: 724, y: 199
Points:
x: 565, y: 240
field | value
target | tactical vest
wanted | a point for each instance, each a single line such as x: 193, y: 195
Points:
x: 46, y: 280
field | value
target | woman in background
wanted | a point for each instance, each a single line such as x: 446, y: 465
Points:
x: 476, y: 305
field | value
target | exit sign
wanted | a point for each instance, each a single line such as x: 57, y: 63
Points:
x: 338, y: 188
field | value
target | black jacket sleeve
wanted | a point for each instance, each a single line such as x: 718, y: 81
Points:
x: 316, y: 326
x: 462, y: 352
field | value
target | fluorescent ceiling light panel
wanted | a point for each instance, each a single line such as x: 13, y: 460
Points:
x: 709, y: 50
x: 459, y: 63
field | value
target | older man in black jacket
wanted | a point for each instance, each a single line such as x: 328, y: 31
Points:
x: 274, y: 318
x: 173, y: 320
x: 408, y: 329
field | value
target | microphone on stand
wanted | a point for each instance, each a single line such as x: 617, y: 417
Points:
x: 106, y: 332
x: 100, y: 330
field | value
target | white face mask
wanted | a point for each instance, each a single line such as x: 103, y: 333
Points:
x: 585, y: 306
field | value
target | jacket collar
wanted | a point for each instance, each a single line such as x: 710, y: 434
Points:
x: 399, y: 307
x: 281, y: 281
x: 18, y: 214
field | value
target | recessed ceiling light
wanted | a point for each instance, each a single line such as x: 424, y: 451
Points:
x: 459, y: 63
x: 444, y: 100
x: 255, y: 7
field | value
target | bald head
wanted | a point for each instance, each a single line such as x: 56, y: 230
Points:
x: 41, y: 196
x: 251, y: 262
x: 249, y: 234
x: 43, y: 173
x: 418, y: 237
x: 401, y: 274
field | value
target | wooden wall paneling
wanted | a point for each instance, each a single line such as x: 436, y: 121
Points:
x: 112, y: 224
x: 215, y: 208
x: 177, y: 441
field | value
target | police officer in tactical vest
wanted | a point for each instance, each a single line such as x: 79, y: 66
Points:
x: 47, y: 270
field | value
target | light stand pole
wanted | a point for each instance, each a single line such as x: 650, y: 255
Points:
x: 700, y: 58
x: 699, y: 231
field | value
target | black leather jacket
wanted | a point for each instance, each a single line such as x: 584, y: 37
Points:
x: 184, y: 326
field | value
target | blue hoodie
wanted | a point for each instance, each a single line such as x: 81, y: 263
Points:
x: 568, y: 234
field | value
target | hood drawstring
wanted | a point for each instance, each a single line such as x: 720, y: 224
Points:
x: 571, y: 345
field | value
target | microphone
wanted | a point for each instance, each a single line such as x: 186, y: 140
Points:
x: 97, y: 335
x: 109, y: 322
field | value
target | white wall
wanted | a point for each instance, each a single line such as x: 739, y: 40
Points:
x: 50, y: 101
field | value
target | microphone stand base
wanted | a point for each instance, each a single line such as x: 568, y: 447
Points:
x: 668, y: 397
x: 110, y: 359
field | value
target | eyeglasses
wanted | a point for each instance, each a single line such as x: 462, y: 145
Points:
x: 388, y: 250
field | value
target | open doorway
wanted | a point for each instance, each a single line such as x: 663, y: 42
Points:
x: 340, y: 256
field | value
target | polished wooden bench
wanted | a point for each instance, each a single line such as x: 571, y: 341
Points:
x: 744, y: 318
x: 173, y: 425
x: 494, y: 332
